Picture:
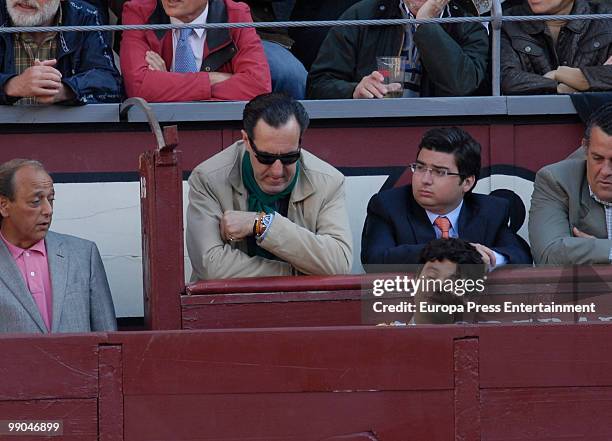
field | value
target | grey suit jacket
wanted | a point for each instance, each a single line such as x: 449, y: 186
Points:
x: 81, y: 296
x: 560, y: 201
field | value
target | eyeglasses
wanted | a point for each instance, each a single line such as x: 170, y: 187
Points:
x: 271, y: 158
x: 436, y: 172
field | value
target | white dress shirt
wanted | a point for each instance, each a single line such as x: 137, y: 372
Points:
x: 196, y: 39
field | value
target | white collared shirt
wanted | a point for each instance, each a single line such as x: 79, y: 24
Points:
x: 196, y: 39
x: 453, y: 217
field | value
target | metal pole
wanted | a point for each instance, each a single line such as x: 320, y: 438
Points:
x: 496, y: 24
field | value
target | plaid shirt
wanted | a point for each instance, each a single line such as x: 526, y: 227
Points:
x: 608, y: 208
x: 26, y: 50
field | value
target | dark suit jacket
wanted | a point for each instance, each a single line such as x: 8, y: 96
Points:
x: 397, y: 228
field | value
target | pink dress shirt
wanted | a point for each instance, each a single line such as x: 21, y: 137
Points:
x: 34, y: 268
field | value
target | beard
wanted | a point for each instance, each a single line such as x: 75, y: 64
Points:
x: 44, y: 12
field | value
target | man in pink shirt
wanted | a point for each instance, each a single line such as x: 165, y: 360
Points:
x: 49, y: 282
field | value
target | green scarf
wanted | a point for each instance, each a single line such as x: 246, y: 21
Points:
x: 259, y: 200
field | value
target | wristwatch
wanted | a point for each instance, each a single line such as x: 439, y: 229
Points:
x: 262, y: 223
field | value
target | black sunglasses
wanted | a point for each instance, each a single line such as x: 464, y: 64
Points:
x: 271, y: 158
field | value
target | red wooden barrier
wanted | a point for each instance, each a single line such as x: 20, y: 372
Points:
x: 338, y: 300
x: 504, y: 382
x: 161, y: 203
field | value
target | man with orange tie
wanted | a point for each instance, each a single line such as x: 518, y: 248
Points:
x: 440, y: 204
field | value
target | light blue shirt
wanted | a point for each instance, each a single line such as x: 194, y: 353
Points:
x: 453, y: 217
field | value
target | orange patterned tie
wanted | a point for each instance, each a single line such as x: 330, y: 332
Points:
x: 443, y: 224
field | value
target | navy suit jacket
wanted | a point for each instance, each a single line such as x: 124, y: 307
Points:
x: 397, y: 228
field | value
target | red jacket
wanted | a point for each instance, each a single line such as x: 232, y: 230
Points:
x: 235, y: 51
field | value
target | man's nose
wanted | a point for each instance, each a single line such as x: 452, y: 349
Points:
x: 276, y: 169
x: 47, y: 207
x: 607, y: 168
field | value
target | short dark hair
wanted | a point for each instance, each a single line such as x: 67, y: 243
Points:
x: 276, y: 109
x: 465, y: 255
x: 464, y: 148
x: 601, y: 118
x: 7, y: 174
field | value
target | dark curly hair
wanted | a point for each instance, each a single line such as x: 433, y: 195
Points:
x: 468, y: 259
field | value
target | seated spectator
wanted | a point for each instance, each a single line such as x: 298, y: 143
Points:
x: 442, y: 260
x: 192, y: 64
x: 556, y: 56
x: 440, y: 204
x: 49, y: 282
x: 288, y: 73
x: 265, y: 206
x: 443, y: 60
x: 570, y: 219
x: 55, y: 67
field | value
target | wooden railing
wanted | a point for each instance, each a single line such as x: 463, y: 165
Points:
x: 505, y: 382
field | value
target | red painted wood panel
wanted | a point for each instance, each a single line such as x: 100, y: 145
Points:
x: 337, y: 300
x: 377, y: 146
x: 552, y: 355
x: 43, y: 367
x: 271, y: 315
x: 385, y: 416
x: 115, y: 148
x: 467, y: 393
x: 110, y: 398
x: 542, y: 414
x: 536, y: 146
x: 102, y: 151
x: 288, y: 360
x: 532, y: 382
x: 79, y: 417
x: 161, y: 208
x: 501, y: 145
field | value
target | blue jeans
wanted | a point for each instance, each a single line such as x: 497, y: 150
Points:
x: 288, y: 73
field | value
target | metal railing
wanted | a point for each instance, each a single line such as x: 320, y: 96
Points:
x: 496, y: 19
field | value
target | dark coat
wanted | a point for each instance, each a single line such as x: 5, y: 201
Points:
x: 307, y: 41
x: 397, y: 228
x: 454, y: 56
x: 272, y: 10
x: 528, y: 51
x: 84, y: 59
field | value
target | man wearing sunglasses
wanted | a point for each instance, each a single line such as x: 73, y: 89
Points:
x: 265, y: 206
x: 440, y: 204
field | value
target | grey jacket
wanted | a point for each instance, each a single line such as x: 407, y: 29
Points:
x: 560, y: 201
x: 314, y: 238
x: 81, y: 296
x: 528, y: 51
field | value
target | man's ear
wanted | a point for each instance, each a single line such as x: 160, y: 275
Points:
x: 468, y: 183
x: 585, y: 144
x: 4, y: 201
x: 245, y: 138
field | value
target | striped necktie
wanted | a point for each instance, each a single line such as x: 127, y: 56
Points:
x: 184, y: 60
